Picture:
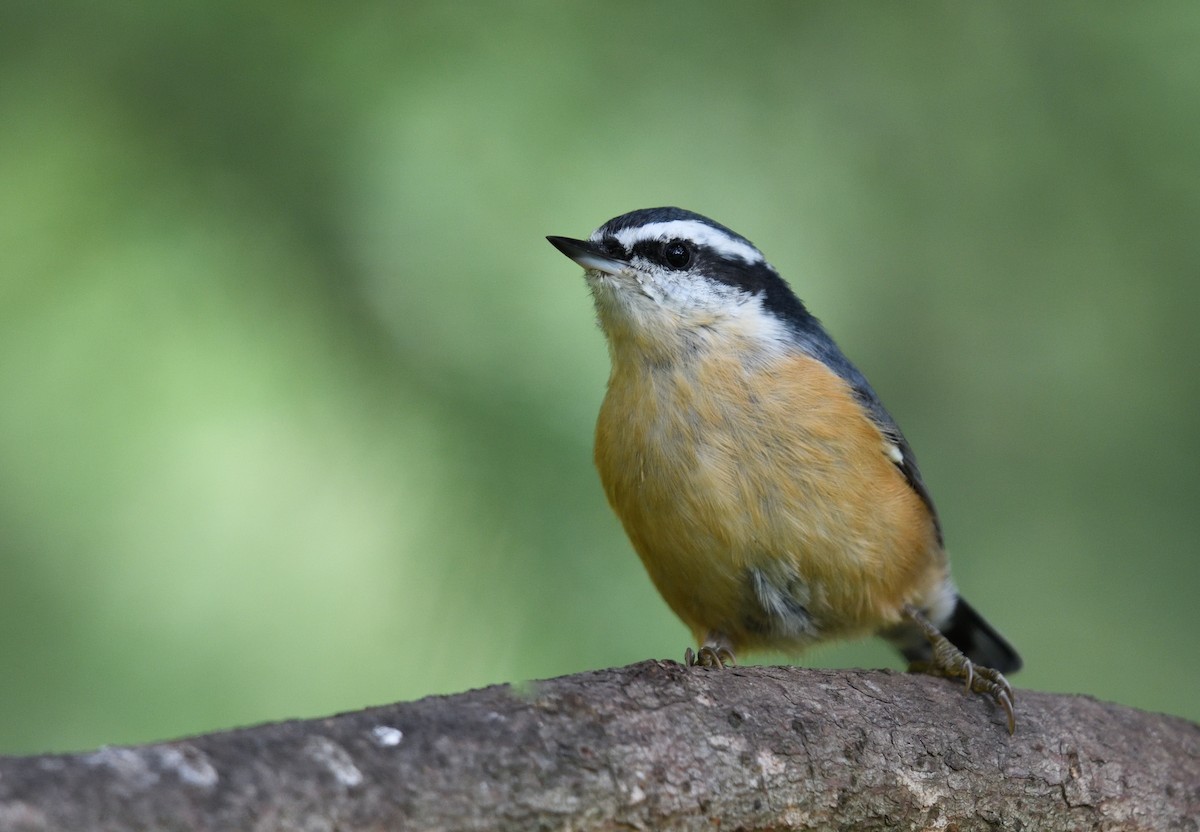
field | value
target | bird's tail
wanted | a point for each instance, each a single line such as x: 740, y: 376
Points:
x: 967, y: 631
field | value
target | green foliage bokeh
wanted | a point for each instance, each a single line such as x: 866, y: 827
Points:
x: 296, y: 402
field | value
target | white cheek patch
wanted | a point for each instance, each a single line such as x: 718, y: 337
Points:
x: 723, y: 314
x: 676, y: 308
x: 697, y: 232
x: 678, y: 292
x: 687, y: 291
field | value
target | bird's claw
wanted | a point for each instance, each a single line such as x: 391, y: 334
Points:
x: 709, y: 656
x: 989, y: 682
x: 950, y: 662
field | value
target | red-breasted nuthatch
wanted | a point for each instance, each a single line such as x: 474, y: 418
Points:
x: 771, y: 497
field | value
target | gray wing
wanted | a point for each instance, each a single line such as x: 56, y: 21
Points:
x: 817, y: 342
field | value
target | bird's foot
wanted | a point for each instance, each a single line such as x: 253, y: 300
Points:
x: 714, y: 653
x: 950, y: 662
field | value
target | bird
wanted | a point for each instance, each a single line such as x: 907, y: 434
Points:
x: 770, y: 495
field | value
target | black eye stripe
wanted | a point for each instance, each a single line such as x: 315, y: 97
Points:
x: 612, y: 247
x: 754, y: 278
x: 656, y: 252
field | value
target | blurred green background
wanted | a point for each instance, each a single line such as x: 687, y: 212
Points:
x: 296, y: 402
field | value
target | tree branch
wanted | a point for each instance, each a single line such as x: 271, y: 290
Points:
x: 649, y: 746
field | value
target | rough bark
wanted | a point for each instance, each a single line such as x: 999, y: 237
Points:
x: 650, y: 746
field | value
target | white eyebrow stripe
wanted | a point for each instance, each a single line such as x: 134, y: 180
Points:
x: 698, y: 232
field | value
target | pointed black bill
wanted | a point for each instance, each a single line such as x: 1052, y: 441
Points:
x: 587, y: 254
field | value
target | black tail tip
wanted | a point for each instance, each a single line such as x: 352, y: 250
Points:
x: 970, y: 633
x: 966, y: 630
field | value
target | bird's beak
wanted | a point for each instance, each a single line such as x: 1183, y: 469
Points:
x: 588, y: 255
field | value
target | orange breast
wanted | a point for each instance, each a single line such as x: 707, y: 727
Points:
x: 719, y: 470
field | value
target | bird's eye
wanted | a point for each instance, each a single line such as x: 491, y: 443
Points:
x: 677, y: 254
